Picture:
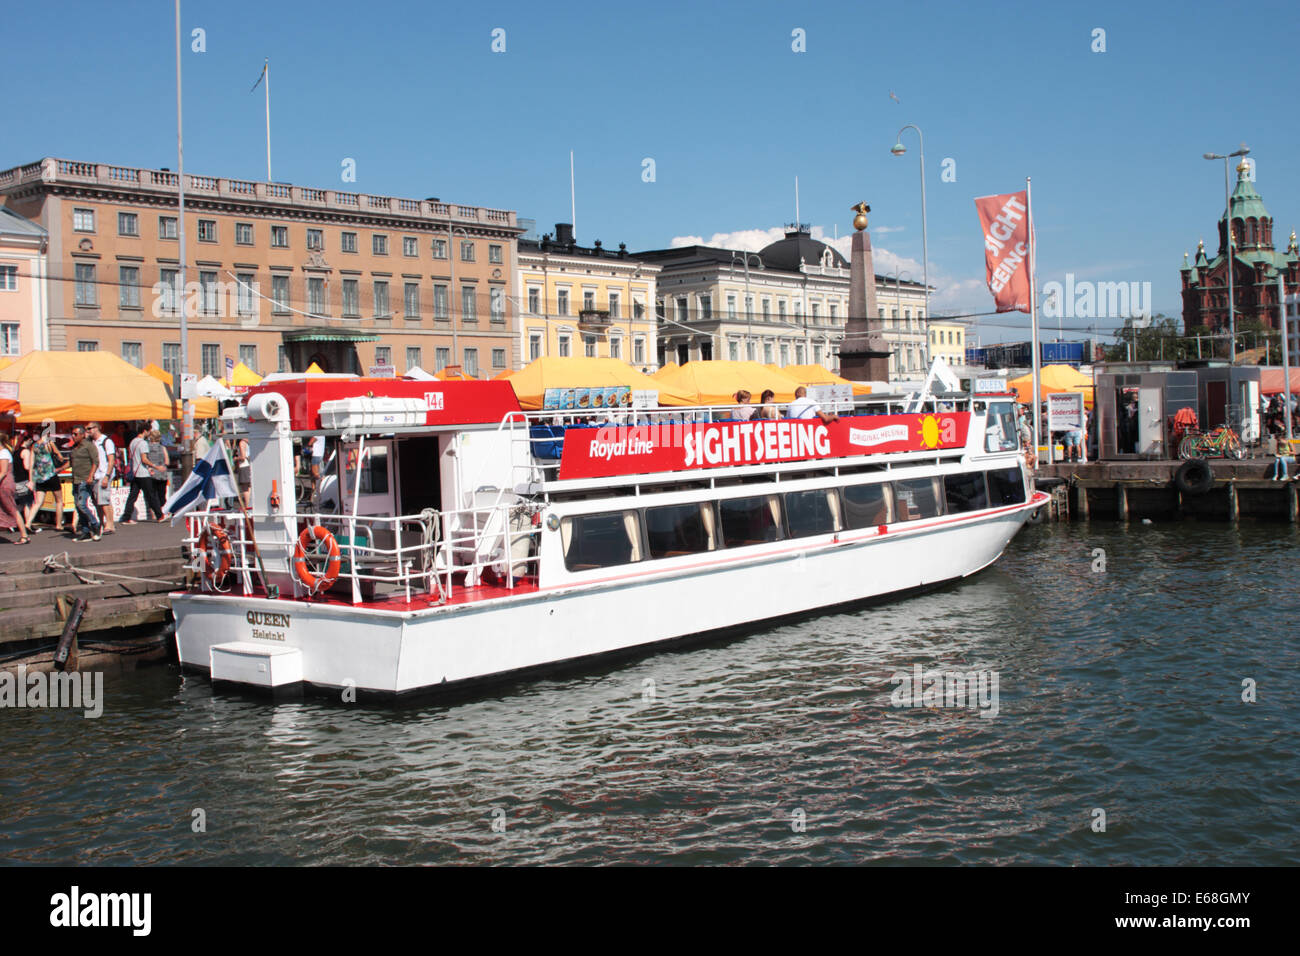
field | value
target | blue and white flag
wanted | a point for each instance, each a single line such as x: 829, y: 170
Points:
x: 210, y: 479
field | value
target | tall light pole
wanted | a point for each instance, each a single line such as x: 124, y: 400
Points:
x: 1231, y: 259
x: 187, y: 427
x: 898, y: 150
x: 749, y: 312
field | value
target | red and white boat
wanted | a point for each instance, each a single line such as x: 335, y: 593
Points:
x: 468, y: 540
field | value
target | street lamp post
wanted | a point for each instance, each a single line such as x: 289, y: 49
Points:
x: 749, y: 312
x: 898, y: 150
x: 1227, y: 220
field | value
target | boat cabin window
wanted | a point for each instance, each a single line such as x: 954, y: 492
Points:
x: 1006, y: 487
x: 965, y: 492
x: 600, y: 540
x: 866, y: 506
x: 753, y: 520
x: 916, y: 498
x: 811, y: 512
x: 676, y: 530
x: 374, y: 471
x: 1000, y: 427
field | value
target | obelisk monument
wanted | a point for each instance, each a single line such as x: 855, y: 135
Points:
x: 864, y: 356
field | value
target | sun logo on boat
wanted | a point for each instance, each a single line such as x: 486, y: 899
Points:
x: 930, y: 431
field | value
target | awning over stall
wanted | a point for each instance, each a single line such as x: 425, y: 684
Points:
x: 531, y: 382
x: 716, y: 382
x: 89, y: 386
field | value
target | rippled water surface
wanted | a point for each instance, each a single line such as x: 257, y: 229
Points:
x: 1119, y: 691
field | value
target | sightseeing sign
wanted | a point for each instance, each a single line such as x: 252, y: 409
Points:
x: 595, y: 452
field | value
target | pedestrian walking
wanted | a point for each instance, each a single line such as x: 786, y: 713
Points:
x: 162, y: 460
x: 104, y: 474
x: 85, y: 462
x: 46, y: 462
x: 10, y: 515
x: 24, y: 493
x: 141, y: 467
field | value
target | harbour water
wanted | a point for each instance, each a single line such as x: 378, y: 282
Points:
x: 1119, y: 690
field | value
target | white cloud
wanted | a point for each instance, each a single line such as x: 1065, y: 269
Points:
x: 747, y: 240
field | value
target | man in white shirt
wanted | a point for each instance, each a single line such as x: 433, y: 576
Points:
x: 103, y: 474
x: 805, y: 407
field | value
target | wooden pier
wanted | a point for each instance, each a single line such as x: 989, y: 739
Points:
x: 1133, y: 490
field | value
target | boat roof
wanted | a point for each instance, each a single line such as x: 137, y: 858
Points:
x: 452, y: 402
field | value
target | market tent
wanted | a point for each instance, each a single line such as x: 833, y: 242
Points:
x: 209, y: 387
x: 86, y: 386
x: 453, y: 373
x: 5, y: 362
x: 506, y: 374
x: 244, y: 377
x: 314, y: 369
x: 156, y: 372
x: 1053, y: 379
x: 1270, y: 381
x: 665, y: 369
x: 417, y: 373
x: 532, y: 381
x: 716, y: 382
x: 820, y: 375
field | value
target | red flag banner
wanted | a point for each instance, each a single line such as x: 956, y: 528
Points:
x: 1005, y: 222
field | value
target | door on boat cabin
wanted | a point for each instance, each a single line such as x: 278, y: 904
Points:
x: 374, y: 489
x: 1216, y: 404
x: 1151, y: 425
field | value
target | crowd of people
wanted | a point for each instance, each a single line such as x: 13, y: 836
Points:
x: 767, y: 409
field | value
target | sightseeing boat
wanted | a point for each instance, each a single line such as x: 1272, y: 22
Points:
x: 455, y: 538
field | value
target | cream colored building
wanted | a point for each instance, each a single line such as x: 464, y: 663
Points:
x: 585, y: 300
x: 901, y: 307
x: 948, y: 341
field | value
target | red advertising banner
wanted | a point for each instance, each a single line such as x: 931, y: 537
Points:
x: 608, y: 450
x: 1005, y: 223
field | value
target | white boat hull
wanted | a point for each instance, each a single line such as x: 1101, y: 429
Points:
x: 406, y: 651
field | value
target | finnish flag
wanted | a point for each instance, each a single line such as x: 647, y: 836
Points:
x: 209, y: 479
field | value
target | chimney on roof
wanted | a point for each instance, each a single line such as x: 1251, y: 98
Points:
x: 622, y: 250
x: 564, y: 233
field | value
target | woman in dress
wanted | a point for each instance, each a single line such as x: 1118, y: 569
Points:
x: 46, y: 462
x: 10, y: 516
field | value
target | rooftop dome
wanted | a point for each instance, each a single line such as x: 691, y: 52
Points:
x: 798, y: 244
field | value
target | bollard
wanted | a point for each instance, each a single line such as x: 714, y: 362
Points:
x: 68, y: 641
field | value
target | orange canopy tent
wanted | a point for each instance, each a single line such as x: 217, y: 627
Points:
x: 531, y: 382
x: 820, y: 375
x: 716, y: 382
x: 1271, y: 379
x: 87, y: 386
x: 1051, y: 380
x: 454, y: 373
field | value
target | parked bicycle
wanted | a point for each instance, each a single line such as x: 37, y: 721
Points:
x: 1223, y: 442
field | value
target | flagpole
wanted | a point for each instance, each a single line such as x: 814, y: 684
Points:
x: 267, y: 68
x: 187, y: 409
x: 1033, y: 324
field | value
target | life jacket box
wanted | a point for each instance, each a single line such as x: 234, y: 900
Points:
x: 363, y: 412
x: 258, y: 664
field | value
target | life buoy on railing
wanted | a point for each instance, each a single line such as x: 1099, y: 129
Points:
x: 315, y: 538
x: 216, y: 555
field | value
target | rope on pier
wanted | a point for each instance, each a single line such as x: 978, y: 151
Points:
x: 63, y: 562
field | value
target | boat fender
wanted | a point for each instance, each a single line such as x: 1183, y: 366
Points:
x: 216, y: 555
x: 1194, y: 477
x: 317, y: 537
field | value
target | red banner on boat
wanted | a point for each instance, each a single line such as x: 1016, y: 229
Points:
x: 1005, y: 222
x: 597, y: 452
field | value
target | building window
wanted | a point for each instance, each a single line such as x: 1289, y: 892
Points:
x: 171, y: 357
x: 749, y: 306
x: 466, y: 250
x: 534, y: 346
x: 767, y: 310
x: 281, y: 359
x: 210, y: 360
x: 780, y: 310
x: 382, y: 310
x: 638, y: 309
x: 534, y: 301
x: 243, y: 233
x: 468, y: 312
x: 440, y: 248
x: 208, y: 292
x: 562, y: 302
x: 383, y: 355
x: 351, y: 298
x: 767, y: 353
x: 83, y: 345
x: 167, y: 227
x: 638, y: 350
x: 798, y: 355
x: 497, y: 304
x: 348, y: 242
x: 731, y: 306
x: 410, y: 246
x: 615, y: 347
x: 128, y: 224
x: 379, y: 244
x: 564, y: 346
x: 247, y: 301
x: 471, y: 362
x: 588, y: 300
x: 683, y: 308
x: 316, y: 295
x: 785, y: 355
x: 411, y: 299
x: 614, y: 303
x: 9, y: 338
x: 441, y: 303
x: 817, y: 355
x: 441, y: 358
x: 589, y: 346
x: 169, y: 280
x: 817, y: 311
x: 412, y: 357
x: 733, y: 350
x: 316, y: 240
x: 83, y: 220
x: 835, y: 312
x: 706, y: 306
x: 248, y: 355
x: 128, y: 285
x: 494, y: 255
x: 498, y: 358
x: 207, y: 230
x: 280, y: 237
x: 280, y: 293
x: 749, y: 351
x: 85, y: 276
x: 8, y: 278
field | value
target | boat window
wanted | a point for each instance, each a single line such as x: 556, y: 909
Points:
x: 374, y: 472
x: 1006, y: 487
x: 916, y: 498
x: 1000, y: 427
x: 600, y: 540
x: 811, y: 512
x: 750, y: 520
x: 676, y: 530
x: 965, y: 492
x: 866, y: 506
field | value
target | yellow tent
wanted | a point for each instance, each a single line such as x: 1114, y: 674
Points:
x: 716, y: 382
x: 531, y: 382
x: 244, y: 377
x: 820, y: 375
x: 84, y: 386
x: 156, y: 372
x: 506, y: 374
x: 1051, y: 380
x: 314, y: 369
x: 453, y: 373
x: 5, y: 362
x: 665, y: 369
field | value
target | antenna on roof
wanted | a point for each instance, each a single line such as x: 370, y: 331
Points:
x: 796, y: 202
x: 573, y: 197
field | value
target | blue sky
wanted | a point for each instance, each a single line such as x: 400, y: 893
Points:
x: 715, y: 95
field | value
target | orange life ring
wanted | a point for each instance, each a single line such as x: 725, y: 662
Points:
x: 215, y: 570
x: 314, y: 537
